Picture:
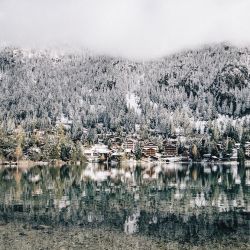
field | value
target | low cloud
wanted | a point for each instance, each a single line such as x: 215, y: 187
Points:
x: 140, y: 29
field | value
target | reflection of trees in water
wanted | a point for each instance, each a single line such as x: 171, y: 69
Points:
x: 181, y: 202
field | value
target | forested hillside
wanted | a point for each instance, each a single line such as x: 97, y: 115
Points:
x: 40, y: 87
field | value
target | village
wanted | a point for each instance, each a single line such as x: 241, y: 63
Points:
x: 156, y: 146
x: 100, y: 145
x: 174, y: 149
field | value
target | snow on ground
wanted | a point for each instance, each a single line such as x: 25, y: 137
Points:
x: 223, y: 120
x: 221, y: 123
x: 154, y: 105
x: 132, y: 102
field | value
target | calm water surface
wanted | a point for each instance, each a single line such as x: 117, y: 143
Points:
x: 169, y: 202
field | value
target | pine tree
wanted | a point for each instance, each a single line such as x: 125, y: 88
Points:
x: 241, y: 156
x: 138, y: 151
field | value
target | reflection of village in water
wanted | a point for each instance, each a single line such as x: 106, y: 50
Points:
x: 170, y: 201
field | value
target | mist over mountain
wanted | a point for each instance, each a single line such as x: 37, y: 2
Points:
x: 40, y: 87
x: 135, y: 29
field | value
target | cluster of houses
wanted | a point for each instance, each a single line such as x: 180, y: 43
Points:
x: 233, y: 156
x: 113, y: 147
x: 132, y: 149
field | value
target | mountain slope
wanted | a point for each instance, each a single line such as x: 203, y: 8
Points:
x: 39, y: 87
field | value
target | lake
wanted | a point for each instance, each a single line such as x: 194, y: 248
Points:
x: 185, y: 203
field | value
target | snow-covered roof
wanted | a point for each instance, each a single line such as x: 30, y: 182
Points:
x: 101, y: 148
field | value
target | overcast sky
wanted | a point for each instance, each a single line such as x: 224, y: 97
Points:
x: 139, y: 29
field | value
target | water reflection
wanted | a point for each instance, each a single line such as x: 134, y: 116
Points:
x: 167, y: 201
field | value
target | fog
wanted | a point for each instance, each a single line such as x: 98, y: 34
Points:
x: 138, y: 29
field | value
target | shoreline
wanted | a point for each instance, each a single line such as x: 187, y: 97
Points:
x: 29, y: 163
x: 19, y: 236
x: 59, y: 163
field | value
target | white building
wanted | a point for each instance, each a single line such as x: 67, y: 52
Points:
x: 97, y: 152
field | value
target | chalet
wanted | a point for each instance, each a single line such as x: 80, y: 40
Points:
x: 150, y: 149
x: 91, y: 155
x: 97, y: 153
x: 170, y: 148
x: 129, y: 145
x: 247, y: 149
